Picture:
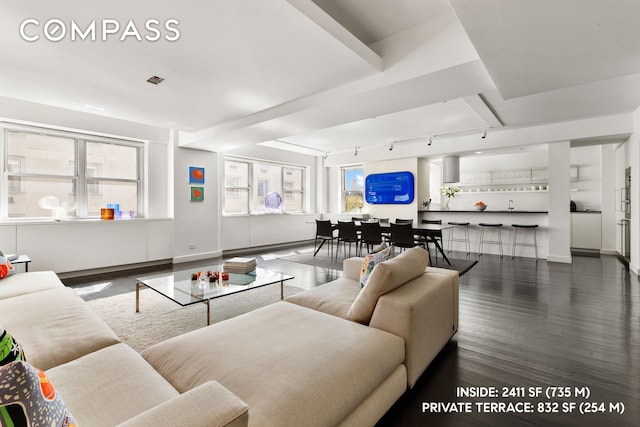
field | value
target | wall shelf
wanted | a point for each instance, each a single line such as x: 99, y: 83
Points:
x: 511, y: 179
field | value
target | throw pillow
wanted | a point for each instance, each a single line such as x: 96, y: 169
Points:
x: 10, y: 349
x: 381, y: 247
x: 6, y: 269
x: 387, y: 276
x: 27, y: 398
x: 370, y: 261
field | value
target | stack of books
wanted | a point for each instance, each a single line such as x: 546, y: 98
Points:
x: 240, y: 265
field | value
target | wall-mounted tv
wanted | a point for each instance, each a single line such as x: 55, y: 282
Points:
x: 395, y: 188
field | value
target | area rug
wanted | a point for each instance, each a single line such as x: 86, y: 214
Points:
x: 320, y: 260
x: 160, y: 318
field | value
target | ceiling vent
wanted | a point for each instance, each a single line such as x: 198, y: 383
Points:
x: 155, y: 80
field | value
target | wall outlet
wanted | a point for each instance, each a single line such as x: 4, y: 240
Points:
x: 192, y: 245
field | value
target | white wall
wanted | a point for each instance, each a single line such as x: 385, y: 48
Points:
x: 196, y: 228
x: 394, y: 211
x: 609, y: 173
x: 499, y: 200
x: 588, y: 194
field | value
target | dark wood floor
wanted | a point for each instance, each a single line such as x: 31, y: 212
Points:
x: 523, y: 324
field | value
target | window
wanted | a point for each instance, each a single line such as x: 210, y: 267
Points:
x: 265, y: 178
x: 78, y: 170
x: 352, y: 188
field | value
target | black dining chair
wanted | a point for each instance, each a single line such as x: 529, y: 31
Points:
x: 324, y: 234
x: 371, y: 234
x: 347, y: 233
x: 434, y: 236
x: 402, y: 237
x: 403, y: 221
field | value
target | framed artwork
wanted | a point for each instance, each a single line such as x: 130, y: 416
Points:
x: 396, y: 188
x: 196, y: 175
x: 197, y: 194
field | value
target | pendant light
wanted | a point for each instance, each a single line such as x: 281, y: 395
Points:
x: 450, y: 169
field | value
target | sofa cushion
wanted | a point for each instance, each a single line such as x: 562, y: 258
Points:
x: 26, y: 283
x: 110, y: 386
x: 370, y: 261
x: 28, y: 398
x: 54, y: 326
x: 333, y: 298
x: 387, y: 276
x: 10, y: 349
x: 320, y: 367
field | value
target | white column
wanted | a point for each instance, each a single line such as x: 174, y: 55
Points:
x: 634, y: 160
x: 559, y: 197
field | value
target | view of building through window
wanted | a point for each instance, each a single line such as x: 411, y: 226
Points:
x: 265, y: 178
x: 40, y: 165
x: 353, y: 189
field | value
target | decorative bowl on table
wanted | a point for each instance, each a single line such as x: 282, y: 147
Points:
x: 480, y: 206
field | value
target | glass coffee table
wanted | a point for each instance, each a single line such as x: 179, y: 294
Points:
x: 178, y: 286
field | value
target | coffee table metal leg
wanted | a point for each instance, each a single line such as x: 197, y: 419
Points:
x: 137, y: 297
x: 281, y: 289
x: 208, y: 311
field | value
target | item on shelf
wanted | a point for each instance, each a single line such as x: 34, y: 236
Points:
x: 240, y: 265
x: 480, y: 206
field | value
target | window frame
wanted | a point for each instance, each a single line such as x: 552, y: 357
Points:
x: 343, y: 187
x: 252, y: 164
x: 79, y: 179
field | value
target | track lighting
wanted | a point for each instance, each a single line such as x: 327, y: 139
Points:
x: 391, y: 146
x: 325, y: 155
x: 484, y: 133
x: 356, y: 152
x: 430, y: 141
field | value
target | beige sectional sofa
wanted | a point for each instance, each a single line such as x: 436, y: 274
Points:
x: 304, y: 361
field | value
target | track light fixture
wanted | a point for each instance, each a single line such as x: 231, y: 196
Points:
x: 356, y: 152
x: 430, y: 140
x: 391, y: 146
x: 484, y: 133
x: 325, y: 155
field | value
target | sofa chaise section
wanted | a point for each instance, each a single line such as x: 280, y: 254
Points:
x: 293, y: 366
x: 423, y: 311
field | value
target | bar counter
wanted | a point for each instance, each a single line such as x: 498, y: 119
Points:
x: 514, y: 211
x: 505, y: 217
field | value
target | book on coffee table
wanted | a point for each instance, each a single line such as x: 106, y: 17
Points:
x: 240, y: 265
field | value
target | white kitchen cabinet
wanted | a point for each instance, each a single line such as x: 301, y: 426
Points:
x: 586, y: 230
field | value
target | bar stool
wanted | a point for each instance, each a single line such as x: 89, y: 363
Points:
x: 516, y: 243
x: 498, y: 227
x: 459, y: 239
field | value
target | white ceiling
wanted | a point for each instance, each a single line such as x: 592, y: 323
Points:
x: 331, y: 75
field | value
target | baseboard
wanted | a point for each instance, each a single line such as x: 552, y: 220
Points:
x: 266, y: 248
x: 609, y: 252
x: 112, y: 269
x: 562, y: 259
x: 197, y: 257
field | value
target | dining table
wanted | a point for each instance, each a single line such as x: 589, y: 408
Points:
x: 431, y: 232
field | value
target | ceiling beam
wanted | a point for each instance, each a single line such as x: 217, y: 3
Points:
x: 331, y: 26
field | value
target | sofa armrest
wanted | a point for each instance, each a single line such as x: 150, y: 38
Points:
x: 351, y: 268
x: 208, y: 405
x: 424, y: 312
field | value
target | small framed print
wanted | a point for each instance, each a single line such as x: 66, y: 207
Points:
x: 197, y: 194
x: 196, y: 175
